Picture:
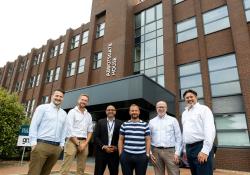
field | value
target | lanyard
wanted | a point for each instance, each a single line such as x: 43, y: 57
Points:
x: 111, y: 127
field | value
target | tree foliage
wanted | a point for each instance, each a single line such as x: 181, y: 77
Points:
x: 11, y: 118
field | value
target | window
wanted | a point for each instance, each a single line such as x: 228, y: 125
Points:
x: 17, y: 87
x: 71, y: 69
x: 61, y: 48
x: 247, y: 9
x: 49, y: 76
x: 85, y: 37
x: 37, y: 79
x: 42, y: 56
x: 45, y: 99
x: 32, y: 81
x: 28, y: 107
x: 186, y: 30
x: 223, y: 74
x: 22, y: 65
x: 81, y: 65
x: 32, y: 107
x: 177, y: 1
x: 216, y: 20
x: 100, y: 30
x: 148, y: 51
x: 75, y: 42
x: 27, y: 64
x: 97, y: 62
x: 232, y: 129
x: 57, y: 73
x: 21, y: 86
x: 35, y: 60
x: 10, y: 71
x: 56, y: 50
x: 190, y: 78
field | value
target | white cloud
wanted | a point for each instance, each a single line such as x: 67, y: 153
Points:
x: 29, y: 24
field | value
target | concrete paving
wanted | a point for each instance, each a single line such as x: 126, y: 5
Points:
x: 14, y: 168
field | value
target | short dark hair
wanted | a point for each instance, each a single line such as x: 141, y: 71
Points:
x: 134, y: 105
x: 60, y: 90
x: 189, y: 91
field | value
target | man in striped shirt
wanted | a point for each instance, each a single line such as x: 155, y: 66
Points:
x: 134, y: 144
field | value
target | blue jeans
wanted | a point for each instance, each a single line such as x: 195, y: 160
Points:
x: 131, y: 162
x: 195, y: 167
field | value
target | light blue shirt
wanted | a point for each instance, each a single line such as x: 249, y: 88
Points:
x: 48, y: 123
x: 165, y: 132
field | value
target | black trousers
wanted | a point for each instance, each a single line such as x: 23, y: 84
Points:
x: 195, y: 167
x: 131, y: 162
x: 104, y: 159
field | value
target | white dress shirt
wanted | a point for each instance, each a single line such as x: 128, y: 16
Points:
x: 165, y: 132
x: 48, y: 123
x: 110, y: 126
x: 79, y: 124
x: 198, y: 125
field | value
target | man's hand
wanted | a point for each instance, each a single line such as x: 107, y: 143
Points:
x: 109, y: 149
x: 153, y: 159
x: 33, y: 147
x: 202, y: 157
x: 82, y: 146
x: 176, y: 159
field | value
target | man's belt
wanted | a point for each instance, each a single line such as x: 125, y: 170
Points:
x: 81, y: 138
x: 161, y: 147
x: 48, y: 142
x: 194, y: 144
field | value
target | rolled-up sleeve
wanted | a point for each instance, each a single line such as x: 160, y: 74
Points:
x: 178, y: 138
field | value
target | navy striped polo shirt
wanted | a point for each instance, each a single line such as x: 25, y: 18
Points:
x: 134, y: 136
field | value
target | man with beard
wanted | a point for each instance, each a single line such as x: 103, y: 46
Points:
x: 134, y: 144
x: 47, y: 135
x: 166, y: 141
x: 198, y: 134
x: 106, y: 139
x: 80, y: 129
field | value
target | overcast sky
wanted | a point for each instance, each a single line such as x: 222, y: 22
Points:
x: 27, y: 24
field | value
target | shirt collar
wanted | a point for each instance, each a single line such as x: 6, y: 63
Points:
x: 194, y: 106
x: 164, y: 117
x: 113, y: 119
x: 54, y: 106
x: 77, y: 109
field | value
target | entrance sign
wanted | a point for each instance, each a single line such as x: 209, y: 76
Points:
x: 23, y: 138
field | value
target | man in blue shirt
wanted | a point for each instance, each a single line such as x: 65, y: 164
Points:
x: 47, y: 135
x: 134, y: 144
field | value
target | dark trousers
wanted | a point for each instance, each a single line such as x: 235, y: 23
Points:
x: 104, y: 159
x: 195, y: 167
x: 131, y: 162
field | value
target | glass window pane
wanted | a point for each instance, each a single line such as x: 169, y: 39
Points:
x: 187, y: 35
x: 224, y: 75
x: 160, y: 80
x: 150, y: 15
x: 137, y: 67
x: 150, y: 36
x: 159, y: 32
x: 189, y: 69
x: 159, y: 11
x: 137, y: 55
x: 159, y: 24
x: 225, y: 89
x: 150, y: 27
x: 160, y: 70
x: 160, y: 60
x: 215, y: 14
x: 185, y: 25
x: 149, y: 63
x: 230, y: 121
x: 217, y: 25
x: 246, y: 4
x: 150, y: 48
x: 248, y: 15
x: 160, y: 45
x: 142, y: 65
x: 138, y: 21
x: 233, y: 138
x: 190, y: 81
x: 222, y: 62
x: 150, y: 72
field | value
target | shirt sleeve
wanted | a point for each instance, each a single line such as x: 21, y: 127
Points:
x: 147, y: 130
x: 69, y: 123
x: 64, y: 130
x: 209, y: 130
x: 122, y: 132
x: 178, y: 137
x: 90, y: 125
x: 35, y: 122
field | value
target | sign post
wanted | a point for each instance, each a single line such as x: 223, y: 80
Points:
x: 23, y: 139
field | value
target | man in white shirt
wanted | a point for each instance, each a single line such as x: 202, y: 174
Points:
x: 198, y: 134
x: 47, y: 135
x: 80, y: 129
x: 166, y: 141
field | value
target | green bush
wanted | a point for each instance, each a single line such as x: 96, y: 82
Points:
x: 11, y: 118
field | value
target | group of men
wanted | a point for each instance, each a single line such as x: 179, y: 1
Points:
x: 133, y: 143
